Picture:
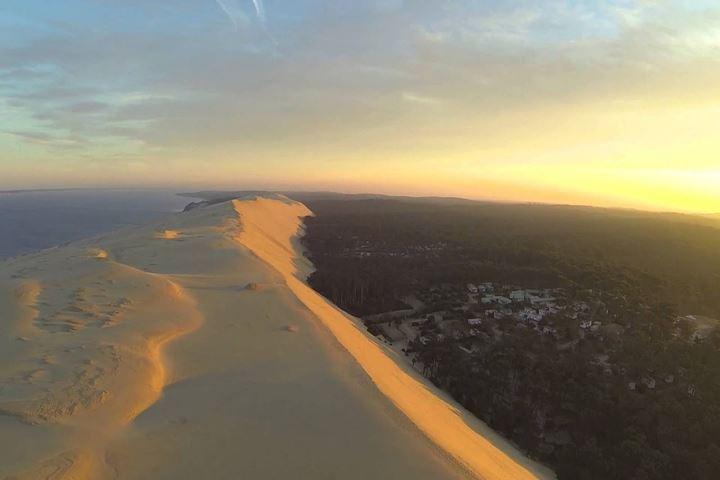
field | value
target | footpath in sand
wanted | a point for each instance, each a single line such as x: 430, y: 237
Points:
x: 192, y: 348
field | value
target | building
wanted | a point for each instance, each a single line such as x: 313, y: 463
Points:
x: 519, y: 296
x: 496, y: 314
x: 487, y: 299
x: 530, y: 314
x: 486, y: 287
x: 649, y: 382
x: 542, y: 300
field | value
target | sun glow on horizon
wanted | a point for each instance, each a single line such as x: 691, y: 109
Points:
x: 611, y: 104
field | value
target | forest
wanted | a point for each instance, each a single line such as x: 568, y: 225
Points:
x: 586, y: 419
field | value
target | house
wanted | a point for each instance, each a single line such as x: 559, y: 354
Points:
x: 487, y: 299
x: 542, y: 300
x: 519, y: 296
x: 530, y: 314
x: 474, y: 321
x: 548, y: 330
x: 486, y: 287
x: 497, y: 315
x: 581, y: 307
x: 649, y: 382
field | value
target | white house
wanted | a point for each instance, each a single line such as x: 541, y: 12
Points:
x: 487, y: 299
x: 542, y: 300
x: 504, y: 301
x: 529, y: 314
x: 486, y: 287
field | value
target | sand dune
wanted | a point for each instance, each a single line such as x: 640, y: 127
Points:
x: 129, y: 356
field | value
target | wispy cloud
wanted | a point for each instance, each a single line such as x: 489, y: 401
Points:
x: 420, y: 99
x: 236, y: 14
x: 474, y: 81
x: 259, y: 9
x: 234, y: 11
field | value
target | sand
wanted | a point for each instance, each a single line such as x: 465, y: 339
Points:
x: 192, y: 348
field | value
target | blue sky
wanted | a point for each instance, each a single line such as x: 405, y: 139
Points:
x: 328, y: 93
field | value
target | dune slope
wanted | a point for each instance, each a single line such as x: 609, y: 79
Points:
x: 192, y: 348
x: 270, y: 230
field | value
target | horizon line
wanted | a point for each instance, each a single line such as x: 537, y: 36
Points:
x: 184, y: 192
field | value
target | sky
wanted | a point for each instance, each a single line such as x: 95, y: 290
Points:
x: 609, y: 103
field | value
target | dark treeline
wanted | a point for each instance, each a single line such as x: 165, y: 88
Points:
x: 371, y: 253
x: 560, y: 404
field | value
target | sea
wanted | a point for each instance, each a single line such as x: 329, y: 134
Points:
x: 36, y: 220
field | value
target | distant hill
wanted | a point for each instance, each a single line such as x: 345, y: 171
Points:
x: 211, y: 197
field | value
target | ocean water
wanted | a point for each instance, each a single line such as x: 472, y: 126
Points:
x: 31, y: 221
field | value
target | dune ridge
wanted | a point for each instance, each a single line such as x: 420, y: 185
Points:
x: 192, y: 348
x: 270, y: 229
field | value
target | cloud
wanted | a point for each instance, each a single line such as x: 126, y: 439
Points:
x: 48, y: 140
x: 234, y: 12
x: 353, y: 75
x: 419, y: 99
x: 259, y: 9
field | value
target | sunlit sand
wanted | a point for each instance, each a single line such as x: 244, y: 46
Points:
x: 129, y: 357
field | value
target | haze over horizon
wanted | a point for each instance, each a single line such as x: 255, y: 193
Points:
x: 602, y: 103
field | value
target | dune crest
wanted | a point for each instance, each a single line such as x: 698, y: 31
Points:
x: 270, y: 229
x: 124, y: 356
